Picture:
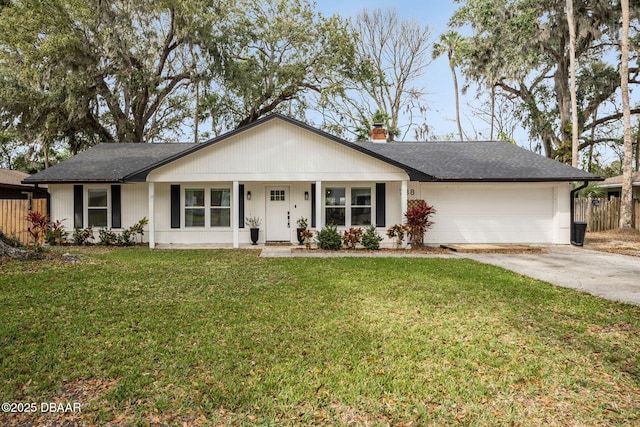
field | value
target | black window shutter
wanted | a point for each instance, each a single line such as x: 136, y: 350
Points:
x: 116, y: 206
x: 313, y: 205
x: 241, y: 206
x: 78, y: 206
x: 381, y: 203
x: 175, y: 206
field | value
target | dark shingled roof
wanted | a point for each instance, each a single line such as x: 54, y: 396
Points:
x: 491, y: 161
x: 616, y: 181
x: 108, y: 163
x: 495, y: 161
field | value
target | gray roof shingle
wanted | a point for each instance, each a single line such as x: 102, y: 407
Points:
x: 492, y: 161
x: 108, y: 162
x: 477, y: 161
x: 616, y: 181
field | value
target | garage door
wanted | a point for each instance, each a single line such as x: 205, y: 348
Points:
x: 491, y: 214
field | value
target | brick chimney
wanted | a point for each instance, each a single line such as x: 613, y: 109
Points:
x: 378, y: 133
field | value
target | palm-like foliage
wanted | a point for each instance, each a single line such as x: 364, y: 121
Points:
x: 452, y: 43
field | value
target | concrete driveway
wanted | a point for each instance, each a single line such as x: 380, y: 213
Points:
x: 612, y: 276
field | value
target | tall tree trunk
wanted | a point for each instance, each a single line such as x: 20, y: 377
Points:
x: 455, y: 88
x: 561, y: 83
x: 626, y: 207
x: 636, y: 166
x: 572, y: 67
x: 45, y: 152
x: 195, y: 115
x: 493, y: 110
x: 593, y: 138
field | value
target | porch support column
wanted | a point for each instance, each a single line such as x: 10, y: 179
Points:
x: 403, y: 205
x: 234, y: 214
x: 319, y: 193
x: 152, y: 215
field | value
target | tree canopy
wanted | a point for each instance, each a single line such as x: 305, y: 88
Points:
x: 521, y: 47
x: 77, y: 72
x: 271, y: 55
x: 391, y: 58
x: 98, y: 70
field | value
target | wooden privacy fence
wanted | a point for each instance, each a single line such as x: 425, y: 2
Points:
x: 603, y: 214
x: 13, y: 216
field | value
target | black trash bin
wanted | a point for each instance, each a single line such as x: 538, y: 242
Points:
x: 579, y: 229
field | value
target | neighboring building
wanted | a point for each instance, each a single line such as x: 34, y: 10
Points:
x: 613, y: 185
x: 16, y: 201
x: 280, y: 170
x: 11, y: 186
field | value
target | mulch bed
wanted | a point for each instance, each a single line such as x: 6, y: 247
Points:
x: 617, y: 241
x: 421, y: 250
x: 435, y: 250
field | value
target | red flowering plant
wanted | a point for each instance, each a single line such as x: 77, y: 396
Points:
x: 38, y: 225
x: 418, y: 222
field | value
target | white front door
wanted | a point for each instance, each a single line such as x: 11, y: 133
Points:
x: 278, y: 219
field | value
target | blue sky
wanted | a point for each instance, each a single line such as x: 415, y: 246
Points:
x: 435, y: 13
x: 438, y: 83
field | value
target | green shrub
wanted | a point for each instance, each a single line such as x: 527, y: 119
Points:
x: 329, y: 238
x: 107, y: 237
x: 371, y: 239
x: 138, y: 228
x: 83, y: 236
x: 125, y: 238
x: 302, y: 222
x: 56, y: 233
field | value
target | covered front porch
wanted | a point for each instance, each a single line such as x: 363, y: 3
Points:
x: 206, y: 213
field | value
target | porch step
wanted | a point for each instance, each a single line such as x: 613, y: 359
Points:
x: 278, y: 244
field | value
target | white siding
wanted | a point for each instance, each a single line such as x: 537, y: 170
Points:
x: 62, y: 204
x: 394, y: 213
x: 466, y: 212
x: 277, y: 151
x: 162, y: 207
x: 497, y: 213
x: 254, y: 207
x: 135, y: 204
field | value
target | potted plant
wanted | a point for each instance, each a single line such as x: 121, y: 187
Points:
x: 302, y: 226
x: 254, y: 227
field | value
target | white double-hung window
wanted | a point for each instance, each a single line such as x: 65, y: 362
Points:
x: 194, y: 207
x: 361, y: 206
x: 220, y: 207
x: 97, y: 207
x: 335, y: 205
x: 348, y: 206
x: 207, y: 207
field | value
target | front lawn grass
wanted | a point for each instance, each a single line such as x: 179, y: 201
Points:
x: 206, y: 337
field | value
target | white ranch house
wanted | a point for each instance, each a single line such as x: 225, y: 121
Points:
x: 279, y: 170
